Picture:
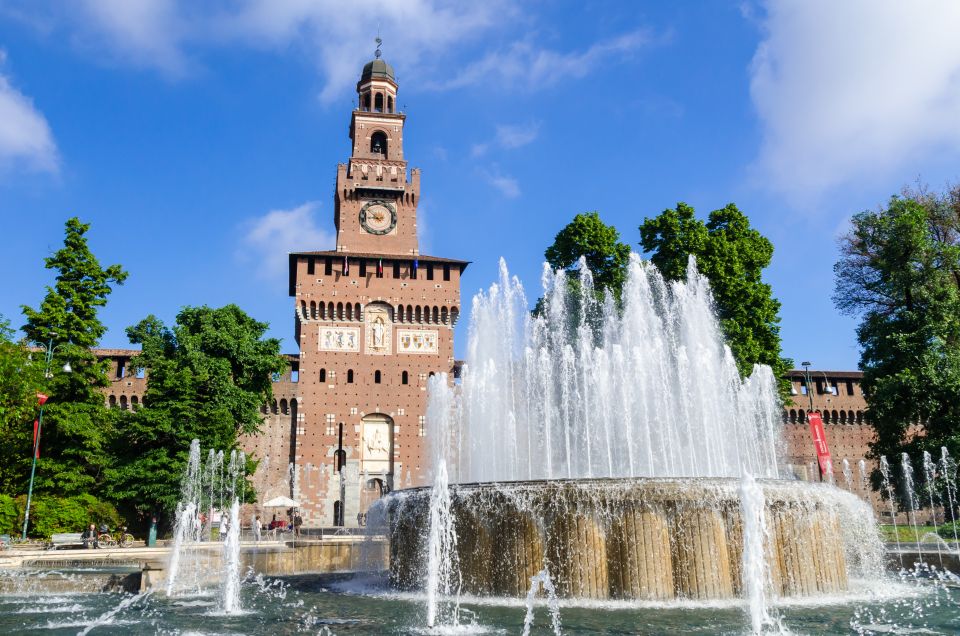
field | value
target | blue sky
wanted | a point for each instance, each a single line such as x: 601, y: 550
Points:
x: 201, y: 139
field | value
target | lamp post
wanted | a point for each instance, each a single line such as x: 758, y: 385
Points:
x: 806, y: 374
x: 48, y: 359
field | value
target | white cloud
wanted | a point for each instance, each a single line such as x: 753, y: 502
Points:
x: 521, y: 61
x: 335, y: 36
x: 509, y: 137
x: 516, y: 136
x: 268, y: 239
x: 420, y: 36
x: 507, y: 185
x: 25, y: 137
x: 850, y: 92
x: 138, y: 32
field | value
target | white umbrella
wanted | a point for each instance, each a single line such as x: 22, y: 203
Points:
x: 281, y: 502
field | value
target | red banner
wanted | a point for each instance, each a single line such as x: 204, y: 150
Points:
x: 820, y: 444
x: 42, y: 399
x: 36, y: 446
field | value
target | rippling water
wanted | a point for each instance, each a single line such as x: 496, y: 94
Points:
x: 316, y: 605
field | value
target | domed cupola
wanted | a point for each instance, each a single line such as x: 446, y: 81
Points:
x: 377, y: 88
x: 377, y: 69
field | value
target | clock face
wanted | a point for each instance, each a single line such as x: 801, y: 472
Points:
x: 378, y: 217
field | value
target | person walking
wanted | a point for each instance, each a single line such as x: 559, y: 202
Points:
x: 256, y: 529
x: 297, y: 522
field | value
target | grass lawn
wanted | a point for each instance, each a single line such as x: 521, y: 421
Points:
x: 906, y: 535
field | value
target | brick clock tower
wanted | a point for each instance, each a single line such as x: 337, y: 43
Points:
x: 374, y: 320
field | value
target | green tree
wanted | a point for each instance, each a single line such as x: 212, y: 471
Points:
x: 899, y: 271
x: 76, y: 423
x: 732, y: 255
x: 599, y: 244
x: 20, y: 380
x: 207, y: 377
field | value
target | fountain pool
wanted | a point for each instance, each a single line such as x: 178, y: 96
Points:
x: 311, y: 605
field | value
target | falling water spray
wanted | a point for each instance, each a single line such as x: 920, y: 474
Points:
x: 949, y: 469
x: 888, y: 486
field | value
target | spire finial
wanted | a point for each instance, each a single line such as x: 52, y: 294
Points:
x: 377, y: 53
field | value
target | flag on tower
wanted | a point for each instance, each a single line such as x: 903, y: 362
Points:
x: 380, y: 268
x: 416, y: 265
x: 346, y: 265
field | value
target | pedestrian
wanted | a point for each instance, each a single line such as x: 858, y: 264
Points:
x: 223, y: 526
x: 256, y: 529
x: 89, y: 537
x: 297, y: 522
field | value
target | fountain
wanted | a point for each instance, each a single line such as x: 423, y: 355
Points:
x: 193, y: 568
x: 606, y: 445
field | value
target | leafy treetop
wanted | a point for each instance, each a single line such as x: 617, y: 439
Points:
x: 599, y: 244
x: 76, y: 421
x: 899, y: 271
x: 208, y: 375
x: 732, y: 255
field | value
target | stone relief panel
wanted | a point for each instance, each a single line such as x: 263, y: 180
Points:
x: 378, y: 330
x: 339, y: 339
x: 417, y: 341
x: 376, y: 444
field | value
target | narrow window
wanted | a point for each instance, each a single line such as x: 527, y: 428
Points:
x: 378, y: 103
x: 123, y: 402
x: 446, y: 271
x: 294, y: 376
x: 363, y: 268
x: 849, y: 387
x: 396, y: 269
x: 405, y: 378
x: 376, y: 377
x: 350, y: 376
x: 389, y: 104
x: 328, y: 267
x: 113, y: 401
x: 323, y: 375
x: 429, y: 271
x: 121, y: 371
x: 310, y: 266
x: 413, y: 270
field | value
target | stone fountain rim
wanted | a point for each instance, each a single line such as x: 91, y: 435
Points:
x: 709, y: 483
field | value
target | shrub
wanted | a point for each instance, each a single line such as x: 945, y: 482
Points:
x: 9, y: 515
x: 50, y: 515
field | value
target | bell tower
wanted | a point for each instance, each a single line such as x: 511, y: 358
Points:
x: 375, y: 206
x: 374, y: 320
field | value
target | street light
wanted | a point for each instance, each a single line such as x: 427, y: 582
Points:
x: 806, y: 374
x: 48, y: 359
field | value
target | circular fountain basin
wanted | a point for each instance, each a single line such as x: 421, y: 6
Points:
x: 635, y: 538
